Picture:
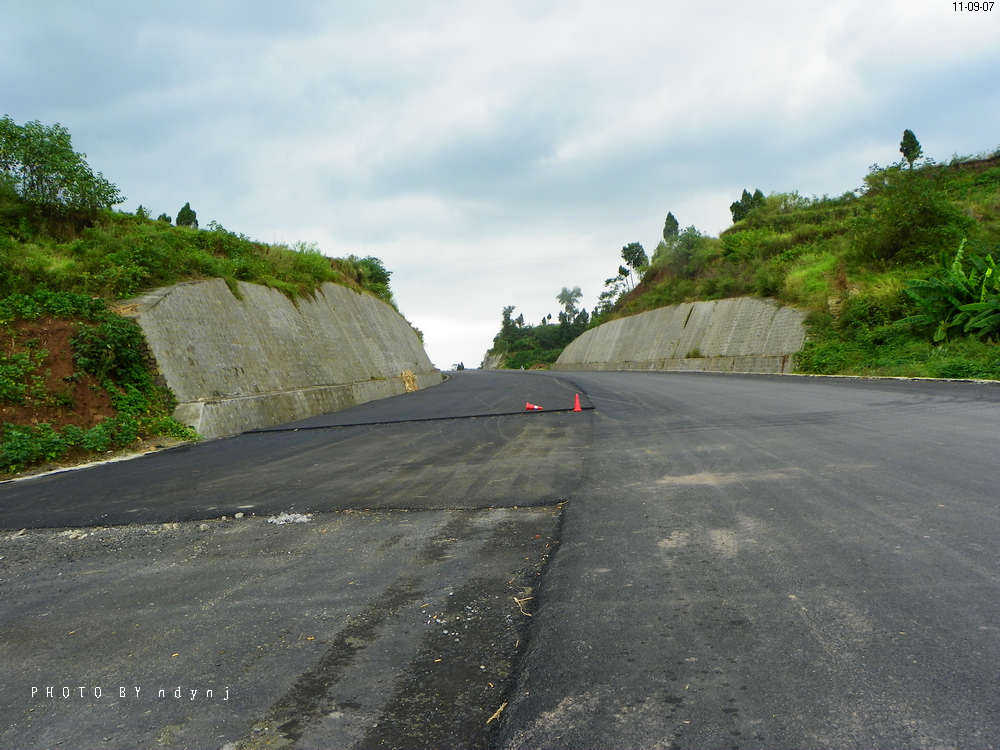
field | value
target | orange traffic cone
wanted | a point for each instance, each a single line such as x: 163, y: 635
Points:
x: 576, y: 403
x: 528, y: 406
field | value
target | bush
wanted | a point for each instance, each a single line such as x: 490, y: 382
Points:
x: 744, y: 244
x: 114, y: 349
x: 912, y: 218
x: 686, y: 255
x: 768, y: 280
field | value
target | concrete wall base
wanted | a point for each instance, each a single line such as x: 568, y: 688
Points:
x: 758, y: 364
x: 228, y: 416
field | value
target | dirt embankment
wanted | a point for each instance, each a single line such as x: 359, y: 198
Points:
x: 57, y: 392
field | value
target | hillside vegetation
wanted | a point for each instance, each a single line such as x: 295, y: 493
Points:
x: 76, y: 378
x: 898, y: 276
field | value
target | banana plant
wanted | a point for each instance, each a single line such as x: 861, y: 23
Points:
x: 967, y: 300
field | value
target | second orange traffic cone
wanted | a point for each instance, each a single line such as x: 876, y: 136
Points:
x: 528, y: 406
x: 576, y: 403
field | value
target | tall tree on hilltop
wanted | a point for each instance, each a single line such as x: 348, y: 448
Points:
x: 670, y: 227
x: 186, y: 217
x: 910, y: 148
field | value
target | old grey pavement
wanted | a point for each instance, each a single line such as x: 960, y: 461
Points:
x: 699, y: 561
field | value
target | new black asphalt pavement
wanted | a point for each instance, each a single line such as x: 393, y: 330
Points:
x: 698, y: 561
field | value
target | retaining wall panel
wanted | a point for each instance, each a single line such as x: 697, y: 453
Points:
x: 235, y: 364
x: 742, y: 334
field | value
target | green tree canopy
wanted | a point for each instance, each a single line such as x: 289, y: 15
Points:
x: 747, y: 203
x: 670, y: 227
x: 910, y: 148
x: 568, y: 299
x: 635, y: 256
x: 41, y: 165
x: 186, y: 217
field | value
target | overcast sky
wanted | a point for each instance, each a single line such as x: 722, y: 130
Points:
x: 492, y: 153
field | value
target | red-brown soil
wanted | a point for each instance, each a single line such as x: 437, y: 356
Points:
x: 90, y: 402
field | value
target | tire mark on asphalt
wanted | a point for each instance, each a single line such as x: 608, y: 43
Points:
x: 466, y: 663
x: 287, y: 720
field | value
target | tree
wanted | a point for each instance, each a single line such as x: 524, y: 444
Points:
x: 142, y: 212
x: 40, y: 164
x: 670, y: 227
x: 164, y: 218
x: 635, y: 256
x: 741, y: 209
x: 507, y: 326
x: 568, y: 299
x: 909, y: 147
x: 626, y: 276
x: 186, y: 217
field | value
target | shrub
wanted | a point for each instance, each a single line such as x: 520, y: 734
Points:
x: 912, y: 217
x: 768, y: 280
x: 744, y: 244
x: 113, y: 349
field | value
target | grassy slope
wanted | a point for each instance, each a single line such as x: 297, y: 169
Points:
x: 848, y: 261
x: 75, y: 378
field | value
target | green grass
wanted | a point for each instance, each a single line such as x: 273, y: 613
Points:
x: 117, y: 255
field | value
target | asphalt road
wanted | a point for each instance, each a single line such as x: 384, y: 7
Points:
x: 699, y: 561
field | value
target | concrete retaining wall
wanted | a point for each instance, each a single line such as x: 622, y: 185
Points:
x: 239, y: 364
x: 743, y: 334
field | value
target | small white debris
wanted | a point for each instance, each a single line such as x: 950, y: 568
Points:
x: 284, y: 518
x: 238, y: 515
x: 203, y: 527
